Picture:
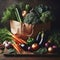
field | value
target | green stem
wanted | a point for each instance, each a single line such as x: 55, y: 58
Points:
x: 17, y: 15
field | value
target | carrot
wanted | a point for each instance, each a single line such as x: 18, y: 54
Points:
x: 18, y: 39
x: 17, y: 48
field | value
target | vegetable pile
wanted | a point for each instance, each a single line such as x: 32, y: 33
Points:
x: 26, y: 14
x: 39, y: 45
x: 23, y: 13
x: 10, y: 40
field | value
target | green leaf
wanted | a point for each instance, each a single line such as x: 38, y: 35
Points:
x: 5, y: 35
x: 30, y: 41
x: 41, y: 50
x: 17, y: 15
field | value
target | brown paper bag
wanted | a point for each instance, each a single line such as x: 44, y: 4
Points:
x: 24, y: 30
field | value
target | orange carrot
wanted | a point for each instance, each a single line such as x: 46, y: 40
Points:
x: 17, y: 48
x: 18, y: 39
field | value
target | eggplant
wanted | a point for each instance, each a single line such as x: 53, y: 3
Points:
x: 42, y: 38
x: 24, y: 47
x: 38, y: 38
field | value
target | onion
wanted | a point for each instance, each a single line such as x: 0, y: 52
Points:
x: 35, y: 46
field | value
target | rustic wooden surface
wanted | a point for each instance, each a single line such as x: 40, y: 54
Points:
x: 28, y: 58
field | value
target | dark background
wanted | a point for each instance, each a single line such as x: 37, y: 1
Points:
x: 55, y: 4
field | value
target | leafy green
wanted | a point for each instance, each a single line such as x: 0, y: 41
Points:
x: 5, y: 35
x: 40, y: 13
x: 41, y: 8
x: 31, y: 18
x: 27, y: 7
x: 12, y: 13
x: 30, y: 41
x: 46, y: 16
x: 43, y: 12
x: 55, y: 37
x: 11, y: 51
x: 8, y: 14
x: 41, y: 50
x: 38, y: 9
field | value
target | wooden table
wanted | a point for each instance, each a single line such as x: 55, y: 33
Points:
x: 2, y: 57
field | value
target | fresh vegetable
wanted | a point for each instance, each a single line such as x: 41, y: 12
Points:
x: 13, y: 12
x: 26, y: 10
x: 7, y: 44
x: 42, y: 38
x: 27, y: 7
x: 24, y: 47
x: 46, y: 44
x: 43, y: 12
x: 12, y: 51
x: 38, y: 9
x: 30, y: 48
x: 9, y: 13
x: 17, y: 15
x: 50, y: 49
x: 42, y: 50
x: 55, y: 38
x: 24, y: 13
x: 4, y: 35
x: 30, y: 41
x: 49, y: 43
x: 54, y: 46
x: 18, y: 39
x: 13, y: 42
x: 31, y: 18
x: 35, y: 46
x: 46, y: 16
x: 7, y: 35
x: 38, y: 38
x: 17, y: 48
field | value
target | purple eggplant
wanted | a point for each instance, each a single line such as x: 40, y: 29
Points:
x: 24, y: 47
x: 42, y: 38
x: 38, y: 38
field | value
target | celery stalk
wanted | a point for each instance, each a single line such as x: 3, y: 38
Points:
x: 17, y: 15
